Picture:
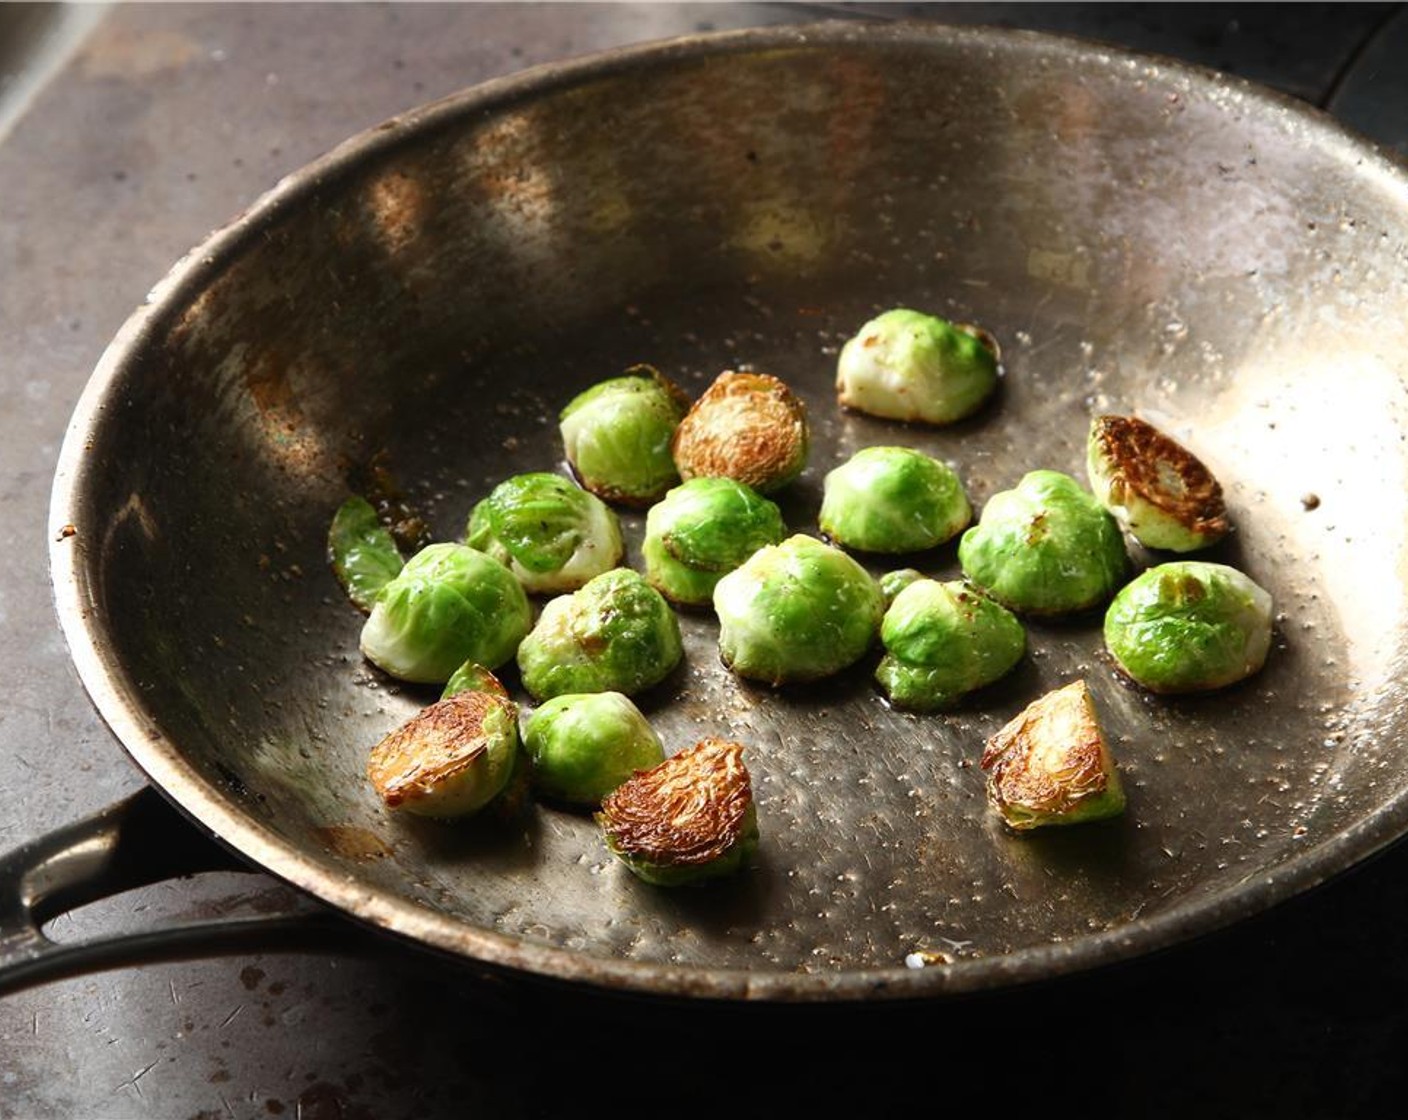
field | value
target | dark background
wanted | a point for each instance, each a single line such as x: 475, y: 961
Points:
x: 126, y: 134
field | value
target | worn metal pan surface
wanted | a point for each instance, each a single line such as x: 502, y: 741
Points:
x: 1140, y: 236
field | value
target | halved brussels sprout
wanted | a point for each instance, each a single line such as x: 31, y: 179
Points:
x: 704, y: 529
x: 943, y: 640
x: 906, y: 365
x: 584, y: 745
x: 1050, y: 765
x: 1157, y: 489
x: 893, y: 499
x: 451, y: 759
x: 449, y: 605
x: 796, y: 611
x: 1047, y: 547
x: 549, y: 532
x: 616, y: 634
x: 363, y: 552
x: 617, y: 435
x: 747, y: 426
x: 1189, y: 626
x: 688, y: 819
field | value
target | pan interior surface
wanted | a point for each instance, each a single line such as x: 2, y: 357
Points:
x: 1140, y: 238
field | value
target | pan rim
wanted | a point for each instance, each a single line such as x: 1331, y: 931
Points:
x: 117, y: 699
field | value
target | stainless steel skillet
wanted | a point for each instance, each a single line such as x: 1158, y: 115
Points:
x: 1140, y: 236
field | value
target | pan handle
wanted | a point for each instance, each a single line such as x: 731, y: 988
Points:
x: 133, y: 843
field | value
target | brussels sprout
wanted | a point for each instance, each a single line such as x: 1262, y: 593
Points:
x: 584, y: 745
x: 363, y: 552
x: 796, y: 611
x: 905, y: 365
x: 549, y: 532
x: 688, y: 819
x: 452, y: 759
x: 893, y: 499
x: 704, y: 529
x: 1050, y: 765
x: 747, y: 426
x: 1189, y: 626
x: 449, y: 605
x: 617, y: 436
x: 617, y: 634
x: 892, y: 583
x: 943, y: 640
x: 1045, y: 548
x: 1156, y: 488
x: 473, y: 677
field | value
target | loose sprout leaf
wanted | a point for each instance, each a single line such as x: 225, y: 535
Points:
x: 363, y: 552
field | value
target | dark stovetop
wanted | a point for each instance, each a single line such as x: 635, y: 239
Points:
x: 125, y: 135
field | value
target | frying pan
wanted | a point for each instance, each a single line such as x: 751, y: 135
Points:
x: 1141, y: 237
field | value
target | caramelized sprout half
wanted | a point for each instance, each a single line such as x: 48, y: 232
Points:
x: 747, y: 426
x: 688, y: 819
x: 1158, y: 490
x: 1050, y: 765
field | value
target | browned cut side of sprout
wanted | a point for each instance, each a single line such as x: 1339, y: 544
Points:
x: 1142, y: 467
x: 687, y: 812
x: 747, y: 426
x: 1050, y: 764
x: 432, y: 749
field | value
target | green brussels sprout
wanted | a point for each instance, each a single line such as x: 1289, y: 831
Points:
x: 1050, y: 765
x: 746, y: 426
x: 450, y: 760
x: 449, y: 605
x: 688, y: 819
x: 1158, y: 490
x: 893, y: 499
x: 1189, y: 626
x: 617, y: 436
x: 1047, y: 547
x: 583, y: 745
x: 943, y: 640
x: 616, y: 634
x: 549, y: 532
x: 363, y: 552
x: 473, y: 677
x: 704, y: 529
x: 906, y: 365
x: 796, y: 611
x: 892, y: 583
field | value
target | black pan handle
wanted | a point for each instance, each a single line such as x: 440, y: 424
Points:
x: 138, y: 841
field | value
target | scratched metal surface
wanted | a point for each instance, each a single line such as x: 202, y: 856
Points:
x: 204, y: 1037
